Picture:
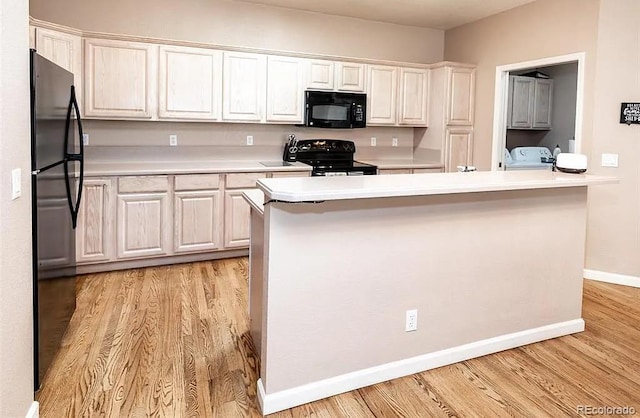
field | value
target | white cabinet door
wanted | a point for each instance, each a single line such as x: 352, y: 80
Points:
x: 521, y: 91
x: 190, y: 82
x: 144, y: 225
x: 349, y: 76
x: 320, y: 74
x: 459, y: 148
x: 94, y: 234
x: 461, y: 87
x: 284, y: 89
x: 414, y: 96
x: 543, y: 95
x: 197, y: 221
x: 120, y: 79
x: 382, y: 88
x: 65, y: 50
x: 236, y: 219
x: 244, y: 86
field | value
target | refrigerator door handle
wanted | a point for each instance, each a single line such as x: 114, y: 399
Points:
x: 74, y: 209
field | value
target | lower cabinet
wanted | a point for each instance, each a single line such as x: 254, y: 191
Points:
x: 236, y: 219
x: 94, y: 240
x: 458, y: 148
x: 197, y: 221
x: 144, y: 226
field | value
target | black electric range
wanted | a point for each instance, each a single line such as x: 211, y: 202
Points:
x: 328, y: 157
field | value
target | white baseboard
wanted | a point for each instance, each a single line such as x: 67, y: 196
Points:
x: 34, y: 410
x: 278, y: 401
x: 603, y: 276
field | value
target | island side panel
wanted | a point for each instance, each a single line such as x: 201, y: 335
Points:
x: 256, y: 273
x: 341, y: 275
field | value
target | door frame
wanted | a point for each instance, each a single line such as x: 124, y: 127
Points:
x: 501, y: 100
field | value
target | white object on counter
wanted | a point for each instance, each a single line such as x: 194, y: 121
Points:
x: 571, y: 163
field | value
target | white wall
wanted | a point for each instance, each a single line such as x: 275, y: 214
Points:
x: 16, y: 331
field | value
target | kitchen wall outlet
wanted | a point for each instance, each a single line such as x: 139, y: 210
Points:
x: 609, y: 160
x: 173, y: 140
x: 411, y: 320
x: 16, y: 183
x: 85, y: 139
x: 394, y: 142
x: 249, y: 140
x: 374, y: 141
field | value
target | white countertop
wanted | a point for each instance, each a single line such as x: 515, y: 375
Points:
x: 389, y: 164
x: 255, y: 198
x: 133, y: 168
x: 361, y: 187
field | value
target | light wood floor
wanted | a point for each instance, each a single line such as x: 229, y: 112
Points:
x: 173, y: 341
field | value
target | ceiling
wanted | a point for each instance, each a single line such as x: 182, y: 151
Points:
x: 436, y: 14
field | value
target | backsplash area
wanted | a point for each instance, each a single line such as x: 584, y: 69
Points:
x: 145, y: 141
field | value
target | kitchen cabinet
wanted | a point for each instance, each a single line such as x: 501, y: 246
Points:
x: 529, y: 105
x: 143, y: 222
x: 285, y: 90
x: 236, y: 210
x: 451, y: 114
x: 459, y: 148
x: 460, y: 95
x: 120, y: 79
x: 382, y: 88
x: 350, y: 76
x: 320, y: 74
x: 63, y: 49
x: 244, y: 86
x: 197, y: 213
x: 94, y: 234
x: 386, y: 171
x: 190, y: 83
x: 413, y: 97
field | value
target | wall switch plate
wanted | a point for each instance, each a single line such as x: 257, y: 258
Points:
x: 173, y: 140
x: 394, y: 142
x: 249, y: 139
x: 16, y: 183
x: 374, y: 141
x: 85, y: 139
x: 411, y: 323
x: 609, y: 160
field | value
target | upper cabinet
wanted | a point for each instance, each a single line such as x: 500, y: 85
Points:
x: 460, y: 97
x: 414, y: 96
x: 382, y: 88
x: 190, y: 83
x: 349, y: 76
x: 320, y: 74
x: 285, y: 89
x: 244, y: 86
x: 120, y: 79
x: 63, y: 49
x: 529, y: 103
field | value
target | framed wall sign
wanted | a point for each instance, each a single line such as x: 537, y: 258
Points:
x: 630, y: 113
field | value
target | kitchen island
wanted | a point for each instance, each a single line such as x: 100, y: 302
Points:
x: 490, y: 261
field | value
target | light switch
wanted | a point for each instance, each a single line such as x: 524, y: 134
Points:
x: 609, y: 160
x: 16, y: 183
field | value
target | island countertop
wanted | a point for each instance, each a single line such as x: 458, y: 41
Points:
x: 363, y: 187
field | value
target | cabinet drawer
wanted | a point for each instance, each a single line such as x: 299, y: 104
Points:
x: 197, y: 182
x: 290, y: 174
x: 236, y: 180
x: 135, y: 184
x: 395, y: 171
x: 426, y: 170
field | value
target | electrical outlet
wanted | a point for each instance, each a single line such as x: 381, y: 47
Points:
x: 16, y: 183
x: 609, y: 160
x: 411, y: 320
x: 374, y: 141
x: 249, y: 140
x: 173, y: 140
x: 85, y: 139
x: 394, y: 142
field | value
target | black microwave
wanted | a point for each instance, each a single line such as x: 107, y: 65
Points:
x: 326, y: 109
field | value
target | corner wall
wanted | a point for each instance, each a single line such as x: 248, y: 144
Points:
x: 16, y: 318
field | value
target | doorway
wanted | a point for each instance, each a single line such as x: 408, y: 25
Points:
x: 568, y: 133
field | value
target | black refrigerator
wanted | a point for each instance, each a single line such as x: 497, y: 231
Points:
x: 56, y: 182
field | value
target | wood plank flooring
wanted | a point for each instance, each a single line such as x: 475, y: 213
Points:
x: 173, y: 341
